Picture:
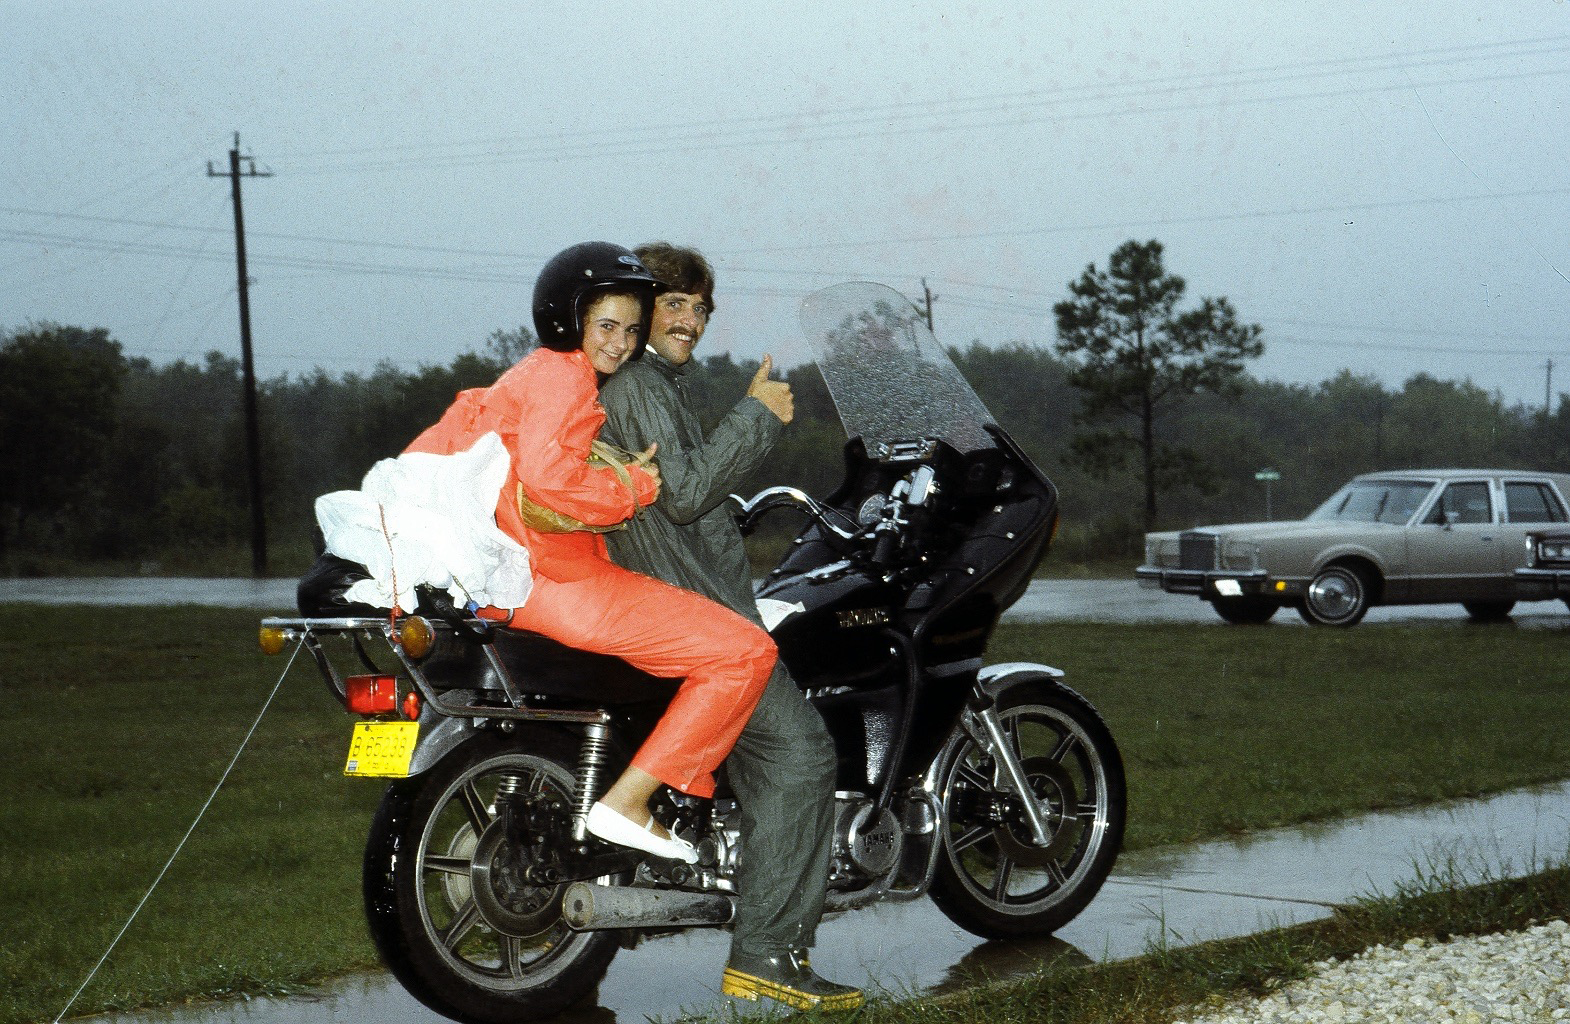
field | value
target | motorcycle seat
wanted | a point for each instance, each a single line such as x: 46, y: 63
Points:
x: 550, y: 668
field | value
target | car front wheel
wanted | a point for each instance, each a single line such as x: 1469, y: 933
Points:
x: 1245, y: 611
x: 1337, y: 596
x: 1488, y: 611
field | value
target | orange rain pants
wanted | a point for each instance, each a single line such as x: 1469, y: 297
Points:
x: 546, y: 413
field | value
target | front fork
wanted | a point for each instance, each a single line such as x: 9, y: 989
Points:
x: 984, y: 725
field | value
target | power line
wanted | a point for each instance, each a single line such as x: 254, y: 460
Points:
x: 968, y: 301
x: 1428, y: 331
x: 1273, y: 337
x: 928, y: 126
x: 1058, y: 229
x: 1050, y: 298
x: 313, y: 263
x: 22, y: 235
x: 936, y: 115
x: 930, y: 107
x: 279, y: 235
x: 1460, y: 160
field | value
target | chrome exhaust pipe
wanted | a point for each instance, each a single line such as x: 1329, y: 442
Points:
x: 589, y: 907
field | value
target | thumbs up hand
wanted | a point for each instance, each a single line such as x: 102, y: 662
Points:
x: 774, y: 394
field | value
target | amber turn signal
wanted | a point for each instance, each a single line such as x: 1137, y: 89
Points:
x: 272, y: 639
x: 416, y: 636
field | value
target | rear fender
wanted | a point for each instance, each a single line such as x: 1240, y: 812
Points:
x: 439, y: 738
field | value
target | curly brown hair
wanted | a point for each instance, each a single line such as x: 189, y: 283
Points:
x: 679, y: 270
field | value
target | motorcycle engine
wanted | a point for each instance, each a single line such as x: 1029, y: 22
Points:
x: 867, y: 841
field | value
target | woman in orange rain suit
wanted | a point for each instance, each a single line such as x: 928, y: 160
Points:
x: 590, y: 308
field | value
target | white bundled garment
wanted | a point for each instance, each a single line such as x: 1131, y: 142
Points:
x: 429, y: 519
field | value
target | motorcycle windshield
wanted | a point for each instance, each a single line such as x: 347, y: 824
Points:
x: 890, y: 379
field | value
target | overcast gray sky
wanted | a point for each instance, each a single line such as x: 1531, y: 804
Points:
x: 1383, y: 187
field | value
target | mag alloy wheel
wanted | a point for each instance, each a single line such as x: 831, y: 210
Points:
x: 993, y: 878
x: 448, y: 899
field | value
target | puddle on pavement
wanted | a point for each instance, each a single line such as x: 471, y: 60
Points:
x: 1044, y: 601
x: 1177, y: 895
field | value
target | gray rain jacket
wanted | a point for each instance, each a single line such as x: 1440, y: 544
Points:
x: 696, y: 543
x: 783, y: 767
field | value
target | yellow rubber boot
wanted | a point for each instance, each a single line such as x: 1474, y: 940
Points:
x: 786, y: 978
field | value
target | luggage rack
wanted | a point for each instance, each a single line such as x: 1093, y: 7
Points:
x: 309, y: 631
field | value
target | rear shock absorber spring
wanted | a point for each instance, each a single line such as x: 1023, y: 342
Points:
x: 592, y: 756
x: 512, y: 793
x: 510, y: 784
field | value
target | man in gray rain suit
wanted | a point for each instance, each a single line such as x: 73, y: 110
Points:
x: 782, y: 769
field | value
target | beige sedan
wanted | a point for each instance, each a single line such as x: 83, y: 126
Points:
x: 1400, y: 537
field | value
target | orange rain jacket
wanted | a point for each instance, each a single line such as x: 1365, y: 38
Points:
x: 546, y: 411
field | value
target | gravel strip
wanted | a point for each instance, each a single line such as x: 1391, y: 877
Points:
x: 1509, y: 977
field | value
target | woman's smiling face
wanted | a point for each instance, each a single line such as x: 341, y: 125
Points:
x: 612, y: 326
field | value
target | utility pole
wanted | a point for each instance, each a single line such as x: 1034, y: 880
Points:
x: 928, y: 292
x: 1548, y: 390
x: 253, y: 445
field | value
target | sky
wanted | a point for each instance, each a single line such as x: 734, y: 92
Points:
x: 1384, y: 188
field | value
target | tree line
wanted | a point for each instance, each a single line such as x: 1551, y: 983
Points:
x: 114, y: 460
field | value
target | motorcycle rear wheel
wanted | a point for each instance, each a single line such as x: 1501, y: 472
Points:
x: 449, y: 914
x: 992, y: 878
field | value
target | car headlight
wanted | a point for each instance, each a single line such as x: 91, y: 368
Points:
x: 1553, y: 551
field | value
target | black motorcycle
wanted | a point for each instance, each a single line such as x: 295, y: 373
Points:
x: 994, y: 789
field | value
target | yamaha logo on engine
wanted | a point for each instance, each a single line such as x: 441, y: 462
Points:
x: 863, y: 617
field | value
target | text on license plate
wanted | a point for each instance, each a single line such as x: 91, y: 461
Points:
x: 381, y: 749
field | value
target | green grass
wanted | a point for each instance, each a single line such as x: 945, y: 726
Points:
x: 1228, y: 730
x: 117, y: 723
x: 1062, y: 567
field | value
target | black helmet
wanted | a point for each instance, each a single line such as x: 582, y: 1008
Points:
x: 569, y: 278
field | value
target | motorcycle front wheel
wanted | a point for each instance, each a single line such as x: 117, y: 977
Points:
x: 993, y: 879
x: 448, y: 906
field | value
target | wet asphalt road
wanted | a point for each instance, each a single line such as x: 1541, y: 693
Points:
x: 1045, y: 601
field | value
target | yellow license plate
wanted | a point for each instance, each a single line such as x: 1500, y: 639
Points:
x: 381, y: 749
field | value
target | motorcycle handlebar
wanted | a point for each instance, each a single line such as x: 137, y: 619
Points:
x: 914, y: 490
x: 787, y: 497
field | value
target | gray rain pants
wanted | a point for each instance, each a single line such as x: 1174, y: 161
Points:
x: 782, y: 771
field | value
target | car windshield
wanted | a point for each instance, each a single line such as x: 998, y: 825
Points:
x: 1374, y: 501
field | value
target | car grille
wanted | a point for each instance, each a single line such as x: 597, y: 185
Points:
x: 1197, y: 551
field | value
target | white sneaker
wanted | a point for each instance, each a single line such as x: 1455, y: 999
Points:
x: 615, y: 828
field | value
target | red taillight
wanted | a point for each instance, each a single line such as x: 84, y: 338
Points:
x: 370, y: 695
x: 411, y: 705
